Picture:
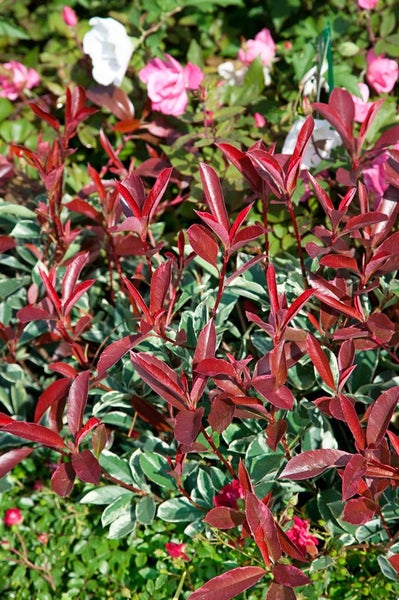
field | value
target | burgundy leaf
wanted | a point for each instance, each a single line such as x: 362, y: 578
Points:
x: 229, y: 584
x: 115, y: 351
x: 301, y: 143
x: 79, y: 290
x: 342, y: 102
x: 320, y: 361
x: 113, y: 98
x: 33, y: 313
x: 214, y: 194
x: 224, y: 517
x: 388, y: 138
x: 62, y: 479
x: 221, y: 414
x: 203, y: 243
x: 364, y: 220
x: 238, y: 221
x: 56, y: 391
x: 314, y: 462
x: 206, y: 343
x: 339, y: 120
x: 394, y: 441
x: 289, y: 575
x: 274, y: 433
x: 161, y: 378
x: 270, y: 170
x: 130, y: 203
x: 245, y: 235
x: 44, y: 115
x: 296, y: 306
x: 353, y: 472
x: 72, y: 274
x: 338, y: 261
x: 289, y: 547
x: 359, y: 511
x: 160, y: 282
x: 258, y: 514
x: 85, y: 430
x: 137, y: 297
x: 352, y: 421
x: 215, y: 366
x: 371, y: 114
x: 381, y: 327
x: 272, y: 288
x: 35, y: 433
x: 215, y: 226
x: 10, y: 459
x: 52, y: 294
x: 156, y: 193
x: 380, y: 416
x: 77, y: 400
x: 244, y: 478
x: 321, y: 195
x: 6, y: 243
x: 84, y: 208
x: 86, y: 466
x: 187, y: 425
x: 394, y: 561
x: 243, y: 164
x: 282, y: 398
x: 346, y: 355
x: 277, y: 591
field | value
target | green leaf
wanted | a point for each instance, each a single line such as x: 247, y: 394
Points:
x: 11, y: 30
x: 205, y: 487
x: 10, y: 286
x: 155, y: 467
x: 16, y: 210
x: 117, y: 509
x: 179, y: 510
x: 6, y: 108
x: 105, y: 495
x: 115, y: 466
x: 122, y: 526
x: 386, y: 568
x: 145, y: 510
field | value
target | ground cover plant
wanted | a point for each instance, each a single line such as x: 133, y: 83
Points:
x: 199, y: 299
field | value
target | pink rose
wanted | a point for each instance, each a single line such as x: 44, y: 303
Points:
x: 167, y: 82
x: 367, y: 4
x: 69, y: 16
x: 361, y: 104
x: 260, y: 120
x: 299, y: 534
x: 229, y: 494
x: 262, y: 46
x: 13, y: 516
x: 176, y: 550
x: 15, y: 78
x: 382, y: 73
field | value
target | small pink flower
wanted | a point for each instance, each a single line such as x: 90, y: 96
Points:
x: 69, y: 16
x: 167, y: 82
x: 299, y: 534
x: 15, y: 78
x: 43, y: 538
x: 367, y: 4
x: 260, y: 120
x: 176, y: 550
x: 12, y: 516
x: 229, y: 494
x: 361, y: 104
x: 382, y: 73
x: 262, y: 46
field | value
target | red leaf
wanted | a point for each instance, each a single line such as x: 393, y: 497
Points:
x: 272, y: 289
x: 244, y: 478
x: 6, y: 243
x: 321, y: 195
x: 85, y: 430
x: 79, y: 290
x: 115, y: 351
x: 214, y: 195
x: 77, y: 400
x: 238, y: 221
x: 187, y: 425
x: 296, y: 306
x: 277, y: 591
x: 394, y: 560
x: 224, y: 517
x: 156, y: 193
x: 161, y: 378
x: 359, y: 511
x: 381, y: 327
x: 84, y: 208
x: 258, y: 514
x: 44, y: 115
x: 63, y: 479
x: 363, y: 220
x: 32, y: 313
x: 338, y: 261
x: 52, y: 294
x: 206, y: 343
x: 35, y: 433
x: 314, y: 462
x: 289, y: 547
x: 86, y: 466
x: 215, y: 226
x: 274, y: 433
x: 352, y: 421
x: 353, y: 472
x: 380, y: 416
x: 56, y: 391
x: 329, y: 112
x: 282, y: 398
x: 72, y: 274
x: 150, y: 414
x: 243, y: 164
x: 215, y: 366
x: 289, y: 575
x: 301, y: 143
x: 10, y: 459
x: 269, y: 169
x: 221, y: 414
x: 229, y: 584
x: 160, y: 282
x: 394, y: 441
x: 320, y: 361
x: 203, y: 243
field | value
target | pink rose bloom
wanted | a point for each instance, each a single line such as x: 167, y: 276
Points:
x: 382, y: 73
x: 361, y: 104
x: 13, y: 516
x: 69, y: 16
x: 299, y: 534
x: 260, y: 120
x: 167, y: 82
x: 15, y: 78
x: 262, y: 46
x: 43, y: 538
x: 176, y: 550
x: 367, y: 4
x: 229, y: 494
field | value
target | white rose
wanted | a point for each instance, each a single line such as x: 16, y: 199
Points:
x: 324, y: 138
x: 109, y: 48
x: 232, y: 73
